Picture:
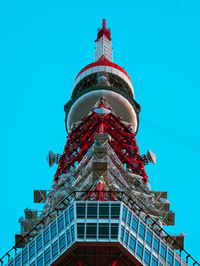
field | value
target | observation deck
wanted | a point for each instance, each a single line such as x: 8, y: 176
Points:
x: 97, y: 232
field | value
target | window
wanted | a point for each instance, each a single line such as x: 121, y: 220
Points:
x: 46, y: 236
x: 80, y: 230
x: 73, y: 233
x: 147, y: 257
x: 142, y: 231
x: 134, y: 224
x: 91, y: 230
x: 170, y: 258
x: 33, y: 264
x: 124, y: 214
x: 122, y: 233
x: 53, y: 230
x: 126, y: 238
x: 62, y: 242
x: 71, y: 213
x: 80, y: 210
x: 163, y: 251
x: 156, y: 244
x: 18, y: 261
x: 114, y: 231
x: 104, y: 211
x: 149, y: 238
x: 32, y: 250
x: 177, y: 263
x: 103, y: 230
x: 68, y: 237
x: 129, y: 219
x: 140, y: 250
x: 67, y: 218
x: 115, y: 210
x: 25, y: 257
x: 47, y: 256
x: 60, y: 223
x: 40, y: 261
x: 132, y: 243
x: 39, y: 243
x: 92, y: 211
x: 55, y: 249
x: 154, y: 261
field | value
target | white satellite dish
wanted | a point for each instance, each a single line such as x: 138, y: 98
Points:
x: 51, y: 158
x: 151, y: 156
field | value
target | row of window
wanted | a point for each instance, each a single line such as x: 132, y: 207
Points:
x: 51, y: 253
x: 94, y: 210
x: 129, y: 240
x: 49, y: 234
x: 105, y: 230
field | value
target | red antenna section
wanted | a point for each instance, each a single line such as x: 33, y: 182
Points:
x: 103, y: 43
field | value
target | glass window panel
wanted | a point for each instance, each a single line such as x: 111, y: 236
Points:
x: 40, y: 261
x: 80, y: 230
x: 126, y: 237
x: 154, y: 261
x: 114, y: 230
x: 149, y: 238
x: 170, y: 257
x: 72, y: 233
x: 177, y: 263
x: 24, y: 256
x: 33, y: 263
x: 53, y: 230
x: 71, y: 213
x: 55, y: 249
x: 39, y: 243
x: 67, y: 218
x: 46, y: 236
x: 140, y: 249
x: 47, y: 256
x: 62, y: 242
x: 68, y: 237
x: 122, y: 233
x: 142, y: 231
x: 104, y: 230
x: 18, y: 261
x: 104, y: 211
x: 60, y: 223
x: 163, y: 251
x: 91, y: 230
x: 156, y: 244
x: 32, y: 250
x: 132, y: 243
x: 124, y: 214
x: 115, y: 210
x: 147, y: 256
x: 134, y: 224
x: 92, y: 210
x: 11, y: 263
x: 80, y: 210
x: 129, y: 218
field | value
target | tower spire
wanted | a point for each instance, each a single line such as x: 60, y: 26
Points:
x: 103, y: 48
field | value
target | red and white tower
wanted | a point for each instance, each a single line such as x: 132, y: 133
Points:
x: 100, y: 209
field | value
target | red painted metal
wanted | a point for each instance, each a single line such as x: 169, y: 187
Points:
x: 104, y: 31
x: 122, y: 141
x: 115, y: 263
x: 103, y: 61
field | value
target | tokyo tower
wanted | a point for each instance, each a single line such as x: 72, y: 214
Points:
x: 100, y: 210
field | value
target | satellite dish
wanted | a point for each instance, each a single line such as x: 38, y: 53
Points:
x: 51, y: 158
x: 151, y: 156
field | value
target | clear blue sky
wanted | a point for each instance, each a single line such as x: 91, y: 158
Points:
x: 44, y: 44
